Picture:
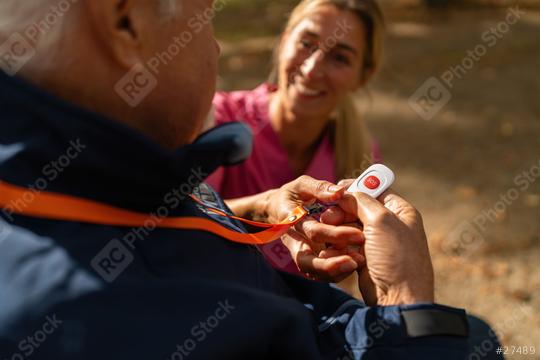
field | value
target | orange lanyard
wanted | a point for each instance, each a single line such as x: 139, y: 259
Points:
x: 54, y: 206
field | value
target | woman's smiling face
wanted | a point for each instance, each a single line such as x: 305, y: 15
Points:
x: 320, y: 61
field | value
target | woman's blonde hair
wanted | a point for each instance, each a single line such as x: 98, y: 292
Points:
x: 351, y: 138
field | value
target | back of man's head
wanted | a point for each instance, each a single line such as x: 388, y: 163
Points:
x: 151, y: 64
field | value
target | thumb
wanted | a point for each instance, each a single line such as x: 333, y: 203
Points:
x: 346, y: 182
x: 367, y: 287
x: 362, y: 205
x: 308, y: 188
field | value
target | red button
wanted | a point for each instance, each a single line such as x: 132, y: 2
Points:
x: 372, y: 182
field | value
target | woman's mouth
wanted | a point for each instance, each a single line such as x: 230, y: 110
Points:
x: 306, y: 91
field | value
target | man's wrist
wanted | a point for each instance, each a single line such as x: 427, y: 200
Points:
x: 405, y: 295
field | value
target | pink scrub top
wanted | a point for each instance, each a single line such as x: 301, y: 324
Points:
x: 268, y: 166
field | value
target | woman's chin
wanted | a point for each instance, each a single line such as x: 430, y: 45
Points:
x: 308, y: 111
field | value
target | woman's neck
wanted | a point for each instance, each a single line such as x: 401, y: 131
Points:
x: 298, y: 135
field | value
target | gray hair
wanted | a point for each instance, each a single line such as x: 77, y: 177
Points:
x: 35, y: 24
x: 42, y: 23
x: 47, y: 16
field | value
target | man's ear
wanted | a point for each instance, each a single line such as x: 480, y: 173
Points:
x: 117, y: 26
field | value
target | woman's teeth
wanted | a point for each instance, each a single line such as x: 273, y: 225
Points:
x: 304, y: 90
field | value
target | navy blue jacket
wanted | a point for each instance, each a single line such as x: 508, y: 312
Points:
x: 80, y: 291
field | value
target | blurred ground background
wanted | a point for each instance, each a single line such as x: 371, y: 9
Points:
x: 457, y: 166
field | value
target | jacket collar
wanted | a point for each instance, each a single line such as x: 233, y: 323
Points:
x: 48, y: 144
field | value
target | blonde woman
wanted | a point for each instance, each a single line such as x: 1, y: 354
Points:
x: 305, y: 121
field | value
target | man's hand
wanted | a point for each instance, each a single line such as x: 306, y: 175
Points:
x: 398, y: 265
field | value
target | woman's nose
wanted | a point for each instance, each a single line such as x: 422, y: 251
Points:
x: 312, y: 67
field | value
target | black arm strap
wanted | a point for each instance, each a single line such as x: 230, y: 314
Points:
x: 433, y: 322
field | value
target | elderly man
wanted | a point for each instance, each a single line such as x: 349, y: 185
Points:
x: 103, y: 103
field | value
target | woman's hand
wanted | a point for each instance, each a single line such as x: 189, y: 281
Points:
x: 309, y: 237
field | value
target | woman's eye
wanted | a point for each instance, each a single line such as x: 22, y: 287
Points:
x: 306, y: 44
x: 342, y: 59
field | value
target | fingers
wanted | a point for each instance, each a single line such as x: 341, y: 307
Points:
x: 296, y: 243
x: 333, y: 269
x: 367, y: 209
x: 337, y: 216
x: 334, y: 252
x: 318, y: 232
x: 346, y: 182
x: 330, y: 265
x: 307, y: 188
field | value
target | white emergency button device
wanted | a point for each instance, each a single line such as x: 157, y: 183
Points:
x: 374, y: 181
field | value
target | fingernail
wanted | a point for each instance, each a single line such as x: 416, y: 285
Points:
x: 334, y: 188
x: 347, y: 267
x: 359, y: 259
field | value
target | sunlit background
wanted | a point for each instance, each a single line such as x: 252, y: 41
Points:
x: 465, y: 151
